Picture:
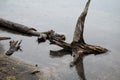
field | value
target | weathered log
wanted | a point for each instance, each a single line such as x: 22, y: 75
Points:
x: 4, y: 38
x: 42, y: 36
x: 17, y: 27
x: 78, y: 45
x: 14, y: 46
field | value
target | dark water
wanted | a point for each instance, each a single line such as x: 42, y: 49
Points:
x: 101, y: 28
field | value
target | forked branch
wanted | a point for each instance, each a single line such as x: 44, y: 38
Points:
x: 78, y: 45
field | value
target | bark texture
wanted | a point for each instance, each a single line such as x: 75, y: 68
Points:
x: 42, y: 36
x: 78, y: 47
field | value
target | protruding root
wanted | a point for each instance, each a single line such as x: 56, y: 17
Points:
x: 14, y: 46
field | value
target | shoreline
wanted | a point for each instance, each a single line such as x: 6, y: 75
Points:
x: 13, y: 69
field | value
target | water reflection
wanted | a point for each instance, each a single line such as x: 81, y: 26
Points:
x: 59, y: 53
x: 79, y: 65
x: 80, y: 69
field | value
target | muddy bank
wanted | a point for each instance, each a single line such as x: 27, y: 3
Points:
x: 12, y: 69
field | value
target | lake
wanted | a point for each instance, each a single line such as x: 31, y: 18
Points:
x: 101, y: 28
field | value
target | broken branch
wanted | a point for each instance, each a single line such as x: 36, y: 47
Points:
x: 14, y: 46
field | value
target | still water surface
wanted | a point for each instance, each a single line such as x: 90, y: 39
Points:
x: 101, y: 28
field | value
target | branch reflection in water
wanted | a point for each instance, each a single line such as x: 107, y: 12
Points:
x: 78, y: 65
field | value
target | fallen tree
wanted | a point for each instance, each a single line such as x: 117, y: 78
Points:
x: 78, y: 47
x: 42, y: 36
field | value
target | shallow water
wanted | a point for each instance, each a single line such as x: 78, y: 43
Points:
x: 101, y: 28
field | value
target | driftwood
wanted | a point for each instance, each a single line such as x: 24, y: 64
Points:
x: 4, y: 38
x: 17, y: 27
x: 42, y: 36
x: 14, y: 46
x: 51, y: 36
x: 78, y: 45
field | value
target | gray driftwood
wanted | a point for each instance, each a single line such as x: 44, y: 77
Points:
x: 78, y: 45
x: 42, y: 36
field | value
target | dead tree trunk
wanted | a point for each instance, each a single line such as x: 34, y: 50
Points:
x: 42, y: 36
x: 78, y: 45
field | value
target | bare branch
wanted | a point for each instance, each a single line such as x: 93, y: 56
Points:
x: 14, y: 46
x: 78, y: 33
